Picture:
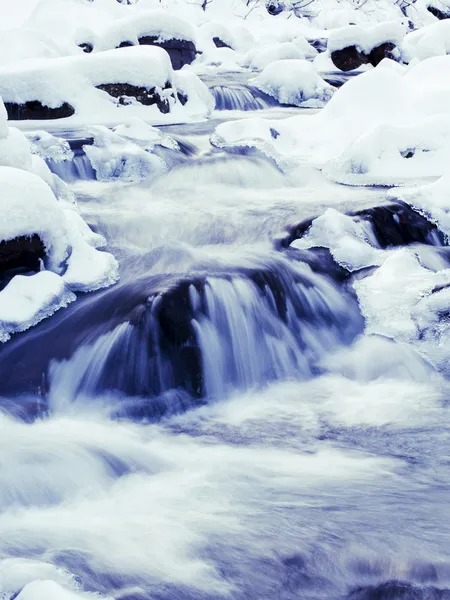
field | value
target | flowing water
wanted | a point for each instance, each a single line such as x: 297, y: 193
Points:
x: 218, y: 425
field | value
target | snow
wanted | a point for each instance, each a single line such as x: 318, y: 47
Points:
x: 160, y: 24
x: 294, y: 82
x: 27, y: 300
x: 260, y: 57
x: 387, y: 126
x: 432, y: 40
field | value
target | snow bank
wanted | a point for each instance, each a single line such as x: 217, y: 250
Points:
x: 432, y: 40
x: 294, y: 82
x: 70, y: 85
x: 387, y: 126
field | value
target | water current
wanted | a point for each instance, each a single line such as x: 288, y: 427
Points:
x: 219, y: 424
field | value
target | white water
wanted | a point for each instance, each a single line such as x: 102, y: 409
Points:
x: 309, y: 469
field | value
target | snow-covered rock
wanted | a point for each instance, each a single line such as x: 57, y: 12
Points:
x: 294, y: 82
x: 109, y: 86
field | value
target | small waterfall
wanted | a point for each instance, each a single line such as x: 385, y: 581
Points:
x: 204, y: 337
x: 72, y: 170
x: 241, y: 97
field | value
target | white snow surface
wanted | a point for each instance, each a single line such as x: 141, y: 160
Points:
x: 294, y: 82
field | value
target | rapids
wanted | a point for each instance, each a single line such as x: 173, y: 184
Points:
x: 221, y: 424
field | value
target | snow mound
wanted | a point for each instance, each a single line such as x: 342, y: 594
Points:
x: 294, y: 82
x: 260, y: 57
x: 432, y: 40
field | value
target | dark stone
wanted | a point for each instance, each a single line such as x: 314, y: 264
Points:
x: 86, y: 47
x: 182, y: 98
x: 125, y: 44
x: 34, y: 109
x: 20, y: 255
x: 146, y: 96
x: 181, y: 52
x: 219, y: 43
x: 395, y: 224
x: 380, y: 52
x: 348, y: 59
x: 275, y: 7
x: 438, y: 13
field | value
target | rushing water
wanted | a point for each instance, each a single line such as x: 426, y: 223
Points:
x: 218, y: 425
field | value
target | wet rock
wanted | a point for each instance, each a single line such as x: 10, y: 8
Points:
x: 34, y: 109
x: 124, y: 92
x: 20, y: 255
x: 275, y: 7
x: 181, y: 52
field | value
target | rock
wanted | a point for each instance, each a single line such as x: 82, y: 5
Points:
x: 20, y: 255
x: 36, y: 110
x: 349, y: 58
x: 395, y: 224
x: 181, y: 52
x: 220, y: 44
x: 380, y: 52
x: 275, y: 7
x: 146, y: 96
x: 86, y: 47
x: 438, y: 13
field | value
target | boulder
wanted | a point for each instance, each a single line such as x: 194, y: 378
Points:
x: 146, y: 96
x: 20, y: 255
x: 348, y: 59
x: 181, y: 52
x: 34, y: 109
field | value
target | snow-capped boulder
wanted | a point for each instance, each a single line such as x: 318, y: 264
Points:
x: 351, y: 47
x: 432, y: 40
x: 153, y: 28
x: 294, y: 82
x: 107, y: 86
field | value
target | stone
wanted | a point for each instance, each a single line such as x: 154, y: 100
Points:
x: 181, y: 52
x: 146, y: 96
x: 20, y: 255
x: 34, y: 109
